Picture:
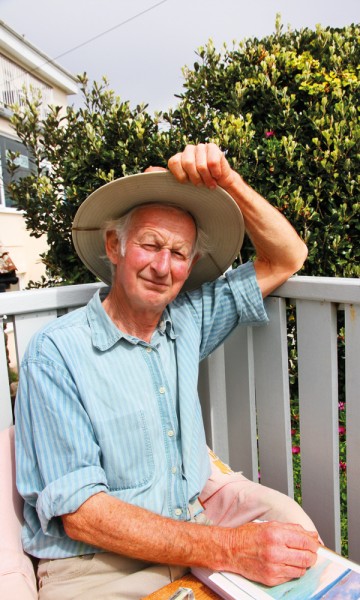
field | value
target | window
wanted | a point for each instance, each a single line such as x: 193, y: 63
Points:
x: 15, y: 82
x: 25, y: 167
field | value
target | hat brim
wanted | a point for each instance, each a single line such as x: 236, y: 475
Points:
x: 215, y: 212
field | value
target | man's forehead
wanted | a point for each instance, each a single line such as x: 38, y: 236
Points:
x: 163, y: 223
x: 161, y: 235
x: 157, y: 214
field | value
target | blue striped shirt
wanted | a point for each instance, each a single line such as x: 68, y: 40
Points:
x: 101, y: 411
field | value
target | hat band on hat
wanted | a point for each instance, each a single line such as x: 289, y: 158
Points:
x: 86, y: 228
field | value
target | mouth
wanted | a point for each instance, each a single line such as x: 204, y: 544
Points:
x: 155, y: 284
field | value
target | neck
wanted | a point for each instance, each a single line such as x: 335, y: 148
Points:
x: 139, y: 323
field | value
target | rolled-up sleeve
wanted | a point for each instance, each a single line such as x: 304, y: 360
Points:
x: 67, y: 493
x: 218, y: 307
x: 57, y: 455
x: 247, y: 295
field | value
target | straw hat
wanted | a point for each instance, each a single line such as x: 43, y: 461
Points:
x: 214, y: 211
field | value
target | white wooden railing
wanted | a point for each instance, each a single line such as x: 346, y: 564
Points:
x: 244, y: 388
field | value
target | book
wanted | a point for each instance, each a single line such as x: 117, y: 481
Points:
x: 333, y: 577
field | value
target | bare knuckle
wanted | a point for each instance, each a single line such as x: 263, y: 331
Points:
x: 173, y: 160
x: 269, y: 554
x: 202, y: 167
x: 270, y: 535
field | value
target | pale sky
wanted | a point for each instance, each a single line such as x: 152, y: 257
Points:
x: 144, y: 53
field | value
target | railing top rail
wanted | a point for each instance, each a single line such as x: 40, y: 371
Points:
x: 54, y: 298
x: 323, y: 289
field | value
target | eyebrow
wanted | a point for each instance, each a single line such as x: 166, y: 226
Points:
x: 156, y: 237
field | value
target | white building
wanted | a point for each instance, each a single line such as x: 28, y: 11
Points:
x: 23, y: 65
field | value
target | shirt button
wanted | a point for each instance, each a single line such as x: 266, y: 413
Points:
x: 170, y: 433
x: 162, y: 390
x: 148, y: 349
x: 178, y: 512
x: 173, y: 470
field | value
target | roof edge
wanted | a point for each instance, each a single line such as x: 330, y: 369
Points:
x: 28, y: 54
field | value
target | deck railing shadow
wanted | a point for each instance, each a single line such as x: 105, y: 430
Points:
x: 245, y: 392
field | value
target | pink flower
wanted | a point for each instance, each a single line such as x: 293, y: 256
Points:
x: 342, y: 465
x: 296, y: 449
x: 341, y: 405
x: 342, y: 430
x: 293, y: 431
x: 269, y: 134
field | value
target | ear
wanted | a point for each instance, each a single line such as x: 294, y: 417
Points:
x: 112, y: 247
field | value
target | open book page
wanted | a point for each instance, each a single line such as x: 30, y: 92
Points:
x: 220, y: 584
x: 331, y: 578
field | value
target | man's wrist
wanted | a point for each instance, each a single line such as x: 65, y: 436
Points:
x: 237, y: 186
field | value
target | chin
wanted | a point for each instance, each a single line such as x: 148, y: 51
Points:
x: 159, y: 299
x: 156, y: 294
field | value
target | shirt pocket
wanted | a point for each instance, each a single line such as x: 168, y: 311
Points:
x: 126, y: 452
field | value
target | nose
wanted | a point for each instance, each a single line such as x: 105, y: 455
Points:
x: 161, y: 262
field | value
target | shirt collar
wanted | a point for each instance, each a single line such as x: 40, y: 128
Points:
x: 166, y: 326
x: 105, y: 334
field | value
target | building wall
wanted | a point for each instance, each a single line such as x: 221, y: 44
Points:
x: 5, y: 127
x: 24, y: 249
x: 23, y: 64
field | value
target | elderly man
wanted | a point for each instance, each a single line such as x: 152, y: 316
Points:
x: 111, y: 451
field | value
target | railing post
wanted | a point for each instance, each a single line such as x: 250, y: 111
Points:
x: 273, y: 399
x: 212, y: 391
x: 240, y: 396
x: 318, y: 401
x: 352, y: 378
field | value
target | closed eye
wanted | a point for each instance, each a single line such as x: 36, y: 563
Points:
x: 179, y: 254
x: 152, y: 247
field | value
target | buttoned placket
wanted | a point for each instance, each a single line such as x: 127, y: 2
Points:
x: 166, y: 392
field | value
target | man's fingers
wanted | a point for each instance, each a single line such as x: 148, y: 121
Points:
x: 216, y: 161
x: 175, y: 166
x: 280, y: 575
x: 207, y: 164
x: 201, y: 164
x: 304, y: 540
x: 193, y: 161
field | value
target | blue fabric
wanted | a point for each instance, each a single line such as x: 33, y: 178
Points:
x: 98, y: 410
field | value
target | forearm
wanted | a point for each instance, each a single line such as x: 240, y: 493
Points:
x: 271, y: 553
x: 279, y: 250
x: 122, y: 528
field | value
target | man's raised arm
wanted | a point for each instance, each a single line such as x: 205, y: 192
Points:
x: 279, y: 250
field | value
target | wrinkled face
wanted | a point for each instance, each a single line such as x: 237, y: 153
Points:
x: 157, y: 259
